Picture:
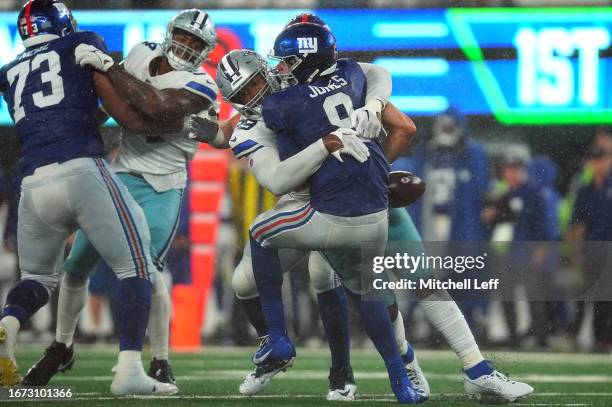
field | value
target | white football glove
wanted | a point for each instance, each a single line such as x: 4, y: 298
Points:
x: 365, y: 120
x: 353, y: 145
x: 88, y: 55
x: 204, y: 127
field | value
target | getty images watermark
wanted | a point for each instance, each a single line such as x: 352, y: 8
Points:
x: 420, y: 269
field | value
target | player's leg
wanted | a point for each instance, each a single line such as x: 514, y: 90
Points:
x: 59, y: 356
x: 162, y: 211
x: 442, y: 311
x: 45, y: 222
x: 333, y: 309
x: 117, y: 228
x: 245, y: 289
x: 307, y: 229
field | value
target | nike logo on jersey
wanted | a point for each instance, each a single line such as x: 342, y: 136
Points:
x: 257, y: 360
x: 232, y: 140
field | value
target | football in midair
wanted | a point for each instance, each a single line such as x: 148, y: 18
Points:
x: 404, y: 188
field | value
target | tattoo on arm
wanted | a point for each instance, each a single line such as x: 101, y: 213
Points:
x: 159, y: 104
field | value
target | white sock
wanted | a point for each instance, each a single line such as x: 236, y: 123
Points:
x: 400, y: 334
x: 72, y: 298
x: 11, y: 326
x: 159, y: 319
x: 129, y: 360
x: 443, y: 313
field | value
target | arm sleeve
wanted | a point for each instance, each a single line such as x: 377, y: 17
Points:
x: 281, y: 177
x: 203, y: 87
x: 378, y: 81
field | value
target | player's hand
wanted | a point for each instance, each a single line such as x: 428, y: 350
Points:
x: 204, y: 127
x: 350, y: 144
x: 366, y: 121
x: 88, y: 55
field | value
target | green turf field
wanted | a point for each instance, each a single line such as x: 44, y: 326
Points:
x: 211, y: 378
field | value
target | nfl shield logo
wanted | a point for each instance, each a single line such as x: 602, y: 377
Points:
x: 307, y: 45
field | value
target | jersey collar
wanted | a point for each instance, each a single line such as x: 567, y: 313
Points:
x: 39, y: 39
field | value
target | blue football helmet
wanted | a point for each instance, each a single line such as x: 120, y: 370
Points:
x: 45, y: 17
x: 306, y: 18
x: 309, y: 49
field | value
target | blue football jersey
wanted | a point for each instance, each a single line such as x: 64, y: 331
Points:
x: 302, y: 114
x: 53, y: 102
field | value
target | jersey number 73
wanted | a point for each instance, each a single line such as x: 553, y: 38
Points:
x: 20, y: 72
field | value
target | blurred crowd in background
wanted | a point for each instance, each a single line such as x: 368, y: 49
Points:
x: 132, y: 4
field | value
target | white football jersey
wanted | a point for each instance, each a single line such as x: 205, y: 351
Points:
x: 161, y: 160
x: 251, y: 135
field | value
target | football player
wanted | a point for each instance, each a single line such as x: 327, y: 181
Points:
x: 295, y: 222
x: 163, y: 82
x: 68, y: 185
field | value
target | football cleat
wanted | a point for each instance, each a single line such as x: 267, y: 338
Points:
x: 9, y: 374
x: 281, y: 349
x: 494, y: 387
x: 405, y: 393
x: 160, y: 370
x: 417, y: 378
x: 342, y: 385
x: 136, y: 382
x: 256, y: 381
x: 57, y: 358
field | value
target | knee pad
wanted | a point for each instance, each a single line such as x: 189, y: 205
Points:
x: 243, y: 280
x: 322, y: 275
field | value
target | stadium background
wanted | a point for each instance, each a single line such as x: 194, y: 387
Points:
x: 523, y: 77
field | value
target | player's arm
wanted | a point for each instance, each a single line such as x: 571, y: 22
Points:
x: 367, y: 119
x: 400, y: 129
x: 157, y: 104
x: 163, y: 104
x: 281, y: 177
x: 118, y: 108
x: 205, y: 128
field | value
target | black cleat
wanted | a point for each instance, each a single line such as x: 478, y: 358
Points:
x: 57, y: 358
x: 161, y: 371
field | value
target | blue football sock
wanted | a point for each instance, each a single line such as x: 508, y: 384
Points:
x: 483, y: 368
x: 408, y: 357
x: 334, y: 315
x: 377, y: 324
x: 24, y: 299
x: 268, y: 275
x: 133, y: 305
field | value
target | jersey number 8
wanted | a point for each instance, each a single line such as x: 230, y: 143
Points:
x: 331, y: 107
x: 21, y: 71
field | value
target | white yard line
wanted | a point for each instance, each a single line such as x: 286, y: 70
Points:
x: 230, y: 375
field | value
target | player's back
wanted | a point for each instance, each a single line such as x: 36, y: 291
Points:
x: 53, y: 102
x: 304, y: 113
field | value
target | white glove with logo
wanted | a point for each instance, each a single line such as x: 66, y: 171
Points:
x: 366, y: 120
x: 88, y: 55
x: 352, y: 145
x: 204, y: 127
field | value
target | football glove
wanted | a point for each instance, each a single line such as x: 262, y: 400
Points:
x: 366, y: 120
x: 351, y: 145
x: 88, y: 55
x: 204, y: 127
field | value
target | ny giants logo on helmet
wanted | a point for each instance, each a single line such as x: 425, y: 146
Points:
x: 307, y: 45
